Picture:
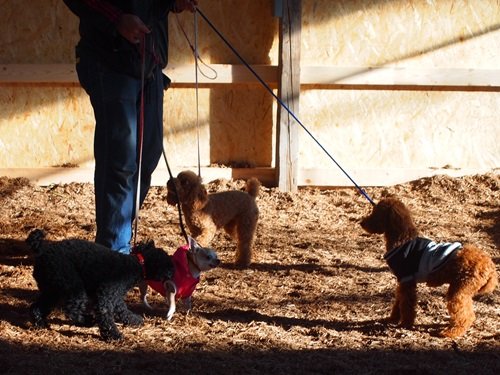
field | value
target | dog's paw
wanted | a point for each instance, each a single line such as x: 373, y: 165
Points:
x: 170, y: 314
x: 406, y: 324
x: 241, y: 264
x: 109, y: 332
x: 394, y: 318
x: 388, y: 321
x: 452, y: 332
x: 86, y: 320
x: 134, y: 320
x: 187, y: 305
x: 183, y: 309
x: 40, y: 324
x: 111, y: 336
x: 37, y: 319
x: 146, y: 304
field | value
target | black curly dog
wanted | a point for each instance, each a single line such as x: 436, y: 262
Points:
x: 91, y: 281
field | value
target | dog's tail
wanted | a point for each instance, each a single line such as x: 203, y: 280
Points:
x: 35, y: 240
x: 253, y: 187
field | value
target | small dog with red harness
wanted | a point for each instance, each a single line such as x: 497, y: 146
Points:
x: 189, y: 262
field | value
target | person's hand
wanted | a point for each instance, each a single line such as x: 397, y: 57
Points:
x: 182, y: 5
x: 132, y: 28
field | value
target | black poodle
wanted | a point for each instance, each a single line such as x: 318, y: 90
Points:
x: 92, y: 279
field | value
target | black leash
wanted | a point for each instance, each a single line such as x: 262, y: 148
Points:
x: 179, y: 210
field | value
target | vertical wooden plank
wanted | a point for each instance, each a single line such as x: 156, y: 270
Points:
x: 289, y: 93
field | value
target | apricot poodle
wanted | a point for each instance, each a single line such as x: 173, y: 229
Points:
x: 413, y: 259
x: 235, y: 211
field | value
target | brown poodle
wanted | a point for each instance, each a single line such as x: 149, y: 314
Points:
x: 235, y: 211
x: 467, y: 269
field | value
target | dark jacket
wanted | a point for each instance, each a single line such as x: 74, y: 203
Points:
x: 100, y: 39
x: 416, y: 259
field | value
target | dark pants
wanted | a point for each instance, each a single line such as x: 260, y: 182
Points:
x: 115, y: 99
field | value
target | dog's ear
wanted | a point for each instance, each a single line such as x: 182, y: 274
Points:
x: 193, y: 245
x: 201, y: 196
x: 172, y: 198
x: 399, y: 220
x: 170, y: 183
x: 202, y: 193
x: 376, y: 221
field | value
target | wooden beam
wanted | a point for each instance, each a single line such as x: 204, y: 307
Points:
x: 324, y: 178
x: 53, y: 74
x: 399, y: 77
x: 311, y: 77
x: 181, y: 75
x: 64, y: 175
x: 287, y: 143
x: 221, y: 74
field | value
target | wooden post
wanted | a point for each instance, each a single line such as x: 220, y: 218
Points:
x: 289, y: 93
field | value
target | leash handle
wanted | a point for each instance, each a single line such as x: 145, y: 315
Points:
x: 196, y: 53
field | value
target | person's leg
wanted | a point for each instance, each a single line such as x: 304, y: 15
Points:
x: 114, y: 99
x: 153, y: 131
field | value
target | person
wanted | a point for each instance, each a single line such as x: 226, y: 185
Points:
x: 122, y: 50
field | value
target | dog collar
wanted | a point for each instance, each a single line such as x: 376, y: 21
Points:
x: 191, y: 260
x: 140, y: 259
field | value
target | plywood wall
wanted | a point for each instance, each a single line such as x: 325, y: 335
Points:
x: 402, y: 129
x: 45, y: 126
x: 234, y: 124
x: 379, y: 129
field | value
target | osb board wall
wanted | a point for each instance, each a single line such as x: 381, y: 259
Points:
x: 44, y: 126
x: 235, y: 125
x: 38, y: 31
x: 420, y: 33
x: 401, y: 129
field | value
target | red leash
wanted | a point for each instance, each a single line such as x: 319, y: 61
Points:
x: 140, y: 137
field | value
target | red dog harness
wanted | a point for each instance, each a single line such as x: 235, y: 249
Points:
x: 184, y: 282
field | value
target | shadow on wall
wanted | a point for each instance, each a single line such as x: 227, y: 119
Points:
x: 241, y: 118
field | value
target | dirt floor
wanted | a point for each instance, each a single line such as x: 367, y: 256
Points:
x: 312, y: 303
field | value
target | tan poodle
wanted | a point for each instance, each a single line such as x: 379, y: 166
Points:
x: 413, y: 259
x: 235, y: 211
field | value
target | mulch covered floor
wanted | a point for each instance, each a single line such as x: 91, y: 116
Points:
x: 313, y: 302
